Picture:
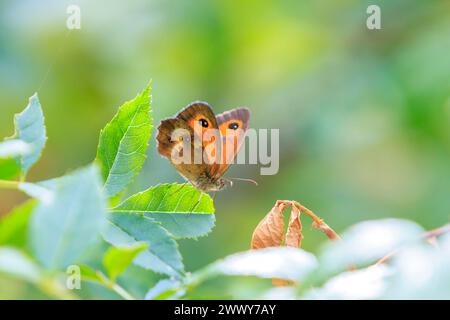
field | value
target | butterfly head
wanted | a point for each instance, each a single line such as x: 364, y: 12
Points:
x: 221, y: 184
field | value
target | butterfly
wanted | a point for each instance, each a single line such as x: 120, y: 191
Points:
x: 217, y: 139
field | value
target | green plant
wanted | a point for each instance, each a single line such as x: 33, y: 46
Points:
x: 78, y: 224
x: 72, y: 214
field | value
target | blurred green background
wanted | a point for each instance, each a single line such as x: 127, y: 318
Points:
x: 363, y: 114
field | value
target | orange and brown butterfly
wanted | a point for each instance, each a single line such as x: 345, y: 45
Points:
x: 197, y: 120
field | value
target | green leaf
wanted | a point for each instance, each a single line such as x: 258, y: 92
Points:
x: 367, y: 283
x: 421, y: 272
x: 162, y: 256
x: 15, y: 263
x: 14, y: 148
x: 30, y: 128
x: 283, y: 262
x: 9, y: 169
x: 117, y: 259
x: 275, y: 262
x: 13, y: 227
x: 89, y: 274
x: 65, y: 227
x: 181, y: 209
x: 19, y: 152
x: 123, y: 143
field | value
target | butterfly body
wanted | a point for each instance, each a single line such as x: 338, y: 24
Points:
x: 206, y: 183
x: 214, y: 139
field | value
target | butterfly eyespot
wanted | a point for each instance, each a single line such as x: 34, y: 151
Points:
x: 233, y: 126
x: 203, y: 123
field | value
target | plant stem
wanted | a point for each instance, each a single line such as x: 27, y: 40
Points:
x: 429, y: 235
x: 5, y: 184
x: 318, y: 222
x: 112, y: 285
x: 122, y: 292
x: 437, y: 232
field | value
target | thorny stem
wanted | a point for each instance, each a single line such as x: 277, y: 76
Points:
x: 318, y: 222
x: 436, y: 232
x: 429, y: 235
x: 385, y: 258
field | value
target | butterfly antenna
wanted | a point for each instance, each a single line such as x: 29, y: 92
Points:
x: 243, y: 179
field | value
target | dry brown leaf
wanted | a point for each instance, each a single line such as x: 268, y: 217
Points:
x: 293, y: 239
x: 294, y: 232
x: 270, y: 231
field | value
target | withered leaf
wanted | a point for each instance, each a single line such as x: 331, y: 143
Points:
x: 270, y: 231
x: 294, y: 232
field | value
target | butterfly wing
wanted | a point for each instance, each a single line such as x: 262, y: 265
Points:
x: 169, y: 146
x: 240, y: 116
x: 233, y: 126
x: 197, y: 111
x: 197, y: 120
